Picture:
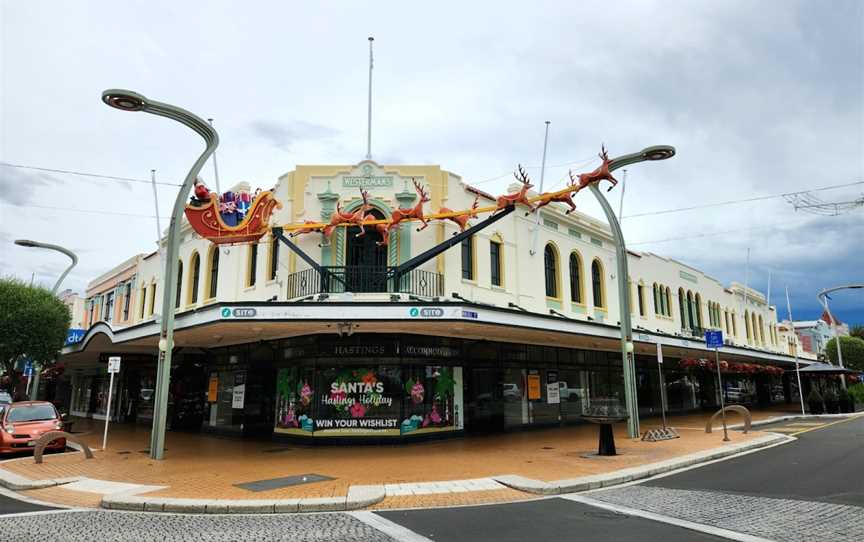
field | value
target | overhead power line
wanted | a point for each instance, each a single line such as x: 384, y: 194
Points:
x: 86, y: 174
x: 743, y: 200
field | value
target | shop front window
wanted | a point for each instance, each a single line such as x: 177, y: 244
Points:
x: 429, y: 402
x: 358, y: 401
x: 295, y: 398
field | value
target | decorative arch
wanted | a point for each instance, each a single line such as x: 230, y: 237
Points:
x: 399, y: 246
x: 598, y: 284
x: 577, y: 290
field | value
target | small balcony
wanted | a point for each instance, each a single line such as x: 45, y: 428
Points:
x: 364, y: 279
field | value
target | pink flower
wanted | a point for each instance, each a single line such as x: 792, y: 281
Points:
x: 434, y: 416
x: 357, y: 410
x: 417, y: 392
x: 369, y: 378
x: 305, y: 394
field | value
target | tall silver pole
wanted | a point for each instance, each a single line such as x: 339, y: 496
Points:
x: 768, y: 298
x: 533, y: 250
x: 720, y: 393
x: 744, y: 298
x: 215, y: 167
x: 126, y: 100
x: 662, y: 384
x: 369, y: 113
x: 621, y: 202
x: 837, y: 340
x: 658, y: 152
x: 797, y: 365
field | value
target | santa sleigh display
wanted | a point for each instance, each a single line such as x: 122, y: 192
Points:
x: 234, y: 217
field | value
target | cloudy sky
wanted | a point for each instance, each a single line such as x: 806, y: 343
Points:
x: 759, y: 98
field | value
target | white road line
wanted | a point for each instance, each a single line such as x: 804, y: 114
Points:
x: 400, y: 533
x: 707, y: 529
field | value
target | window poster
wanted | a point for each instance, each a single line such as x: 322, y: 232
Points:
x: 429, y: 401
x: 359, y: 401
x: 294, y: 397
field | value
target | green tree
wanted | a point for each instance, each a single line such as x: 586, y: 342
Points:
x: 33, y: 323
x: 857, y: 331
x: 853, y: 352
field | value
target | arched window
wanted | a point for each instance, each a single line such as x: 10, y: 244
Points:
x: 668, y: 296
x: 252, y: 267
x: 213, y: 276
x: 656, y: 299
x: 179, y: 284
x: 753, y: 323
x: 682, y: 307
x: 152, y: 297
x: 576, y: 278
x: 598, y: 289
x: 194, y: 277
x: 664, y: 304
x: 698, y: 319
x: 550, y: 267
x: 143, y: 301
x: 747, y: 325
x: 761, y: 329
x: 691, y: 310
x: 734, y: 324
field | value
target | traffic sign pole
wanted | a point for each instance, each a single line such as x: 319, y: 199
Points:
x: 113, y: 367
x: 720, y: 393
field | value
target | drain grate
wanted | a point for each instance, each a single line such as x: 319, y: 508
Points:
x: 287, y: 481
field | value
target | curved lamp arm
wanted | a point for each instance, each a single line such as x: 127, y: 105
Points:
x: 56, y: 248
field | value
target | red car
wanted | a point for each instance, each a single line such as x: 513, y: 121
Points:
x: 21, y: 425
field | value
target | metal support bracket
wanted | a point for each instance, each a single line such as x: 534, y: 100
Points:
x: 322, y: 272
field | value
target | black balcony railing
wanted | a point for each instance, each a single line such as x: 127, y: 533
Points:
x: 363, y: 279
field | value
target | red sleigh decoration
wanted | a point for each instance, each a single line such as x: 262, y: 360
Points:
x: 207, y: 222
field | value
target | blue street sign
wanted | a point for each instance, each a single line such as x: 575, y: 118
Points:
x: 74, y: 336
x: 28, y: 368
x: 714, y: 338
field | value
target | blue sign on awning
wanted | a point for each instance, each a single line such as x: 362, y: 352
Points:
x: 714, y: 338
x: 74, y: 336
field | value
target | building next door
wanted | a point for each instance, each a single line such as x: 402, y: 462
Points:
x: 484, y: 401
x: 365, y: 259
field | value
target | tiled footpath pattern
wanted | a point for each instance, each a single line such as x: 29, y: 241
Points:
x: 141, y: 527
x: 783, y: 520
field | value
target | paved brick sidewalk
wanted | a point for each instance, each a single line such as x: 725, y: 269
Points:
x: 202, y: 466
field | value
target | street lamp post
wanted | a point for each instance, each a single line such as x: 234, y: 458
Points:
x: 126, y: 100
x: 657, y: 152
x: 57, y: 248
x: 823, y: 299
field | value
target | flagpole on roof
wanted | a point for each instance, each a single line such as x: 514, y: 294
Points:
x: 533, y: 250
x: 369, y: 112
x: 156, y: 204
x: 215, y: 167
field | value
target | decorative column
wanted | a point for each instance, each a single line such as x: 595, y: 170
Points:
x: 328, y: 200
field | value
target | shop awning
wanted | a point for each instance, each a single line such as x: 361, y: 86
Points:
x: 827, y: 369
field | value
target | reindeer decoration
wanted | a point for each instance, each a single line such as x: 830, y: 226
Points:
x: 508, y: 200
x: 382, y: 229
x: 599, y: 174
x: 415, y: 212
x: 355, y: 217
x: 549, y: 197
x: 461, y: 220
x: 307, y: 229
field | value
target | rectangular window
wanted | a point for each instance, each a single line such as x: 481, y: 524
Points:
x: 109, y: 306
x: 253, y: 264
x: 127, y: 296
x: 596, y: 241
x: 641, y: 294
x: 495, y: 262
x: 550, y: 224
x: 574, y: 233
x: 468, y: 259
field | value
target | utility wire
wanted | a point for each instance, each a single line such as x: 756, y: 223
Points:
x: 85, y: 174
x: 74, y: 210
x: 745, y: 200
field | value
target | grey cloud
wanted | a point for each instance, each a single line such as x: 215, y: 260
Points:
x: 17, y: 185
x: 285, y: 134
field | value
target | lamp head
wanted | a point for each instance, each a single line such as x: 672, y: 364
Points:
x: 125, y: 100
x: 658, y: 152
x: 26, y: 243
